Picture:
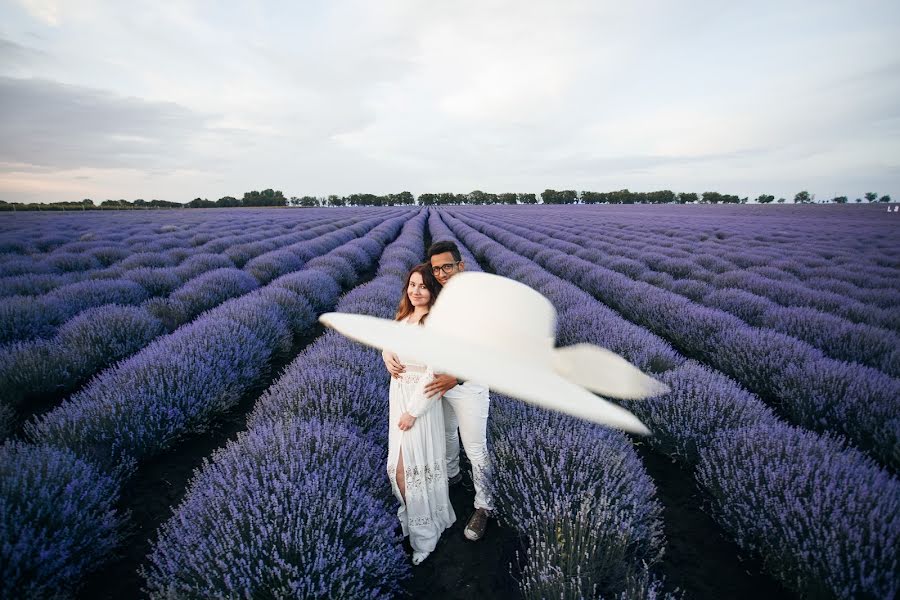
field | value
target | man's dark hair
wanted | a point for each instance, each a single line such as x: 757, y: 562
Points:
x: 441, y: 247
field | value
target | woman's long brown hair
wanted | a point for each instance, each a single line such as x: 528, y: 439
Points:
x: 431, y: 284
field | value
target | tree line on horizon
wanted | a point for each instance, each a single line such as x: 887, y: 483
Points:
x: 270, y: 197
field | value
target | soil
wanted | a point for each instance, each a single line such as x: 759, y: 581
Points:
x: 700, y: 558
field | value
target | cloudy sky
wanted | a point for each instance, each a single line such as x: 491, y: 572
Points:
x: 180, y: 99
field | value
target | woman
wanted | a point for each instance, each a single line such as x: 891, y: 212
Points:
x: 416, y: 449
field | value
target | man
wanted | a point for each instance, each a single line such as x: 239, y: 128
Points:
x: 465, y: 406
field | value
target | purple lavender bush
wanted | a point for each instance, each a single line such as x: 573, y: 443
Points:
x: 822, y: 517
x: 87, y: 343
x: 57, y: 520
x: 157, y: 281
x: 27, y: 318
x: 286, y: 510
x: 33, y: 284
x: 148, y: 401
x: 82, y: 295
x: 589, y: 526
x: 332, y: 379
x: 198, y: 264
x: 108, y: 254
x: 199, y: 294
x: 318, y: 287
x: 66, y: 262
x: 702, y: 404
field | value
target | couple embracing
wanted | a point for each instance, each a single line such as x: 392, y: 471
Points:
x: 492, y: 330
x: 429, y: 413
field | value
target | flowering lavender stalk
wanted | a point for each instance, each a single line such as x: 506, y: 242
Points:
x: 57, y: 520
x: 286, y: 510
x: 839, y: 509
x: 579, y: 496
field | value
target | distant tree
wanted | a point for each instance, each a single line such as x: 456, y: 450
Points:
x: 839, y: 199
x: 87, y: 202
x: 267, y: 197
x: 228, y: 201
x: 561, y: 197
x: 305, y: 201
x: 661, y: 197
x: 506, y: 198
x: 687, y: 197
x: 201, y: 203
x: 781, y: 201
x: 744, y: 200
x: 803, y: 198
x: 476, y: 198
x: 334, y: 200
x: 711, y: 197
x: 526, y: 198
x: 449, y: 198
x: 591, y: 197
x: 120, y: 203
x: 885, y: 199
x: 765, y: 199
x: 427, y: 199
x: 858, y: 200
x: 403, y: 198
x: 871, y: 196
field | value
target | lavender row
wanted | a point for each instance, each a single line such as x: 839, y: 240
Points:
x: 592, y: 524
x: 145, y: 404
x: 815, y: 391
x: 305, y: 484
x: 771, y: 493
x: 98, y: 337
x: 30, y: 317
x: 837, y: 337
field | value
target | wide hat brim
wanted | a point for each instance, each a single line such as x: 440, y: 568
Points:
x: 536, y: 384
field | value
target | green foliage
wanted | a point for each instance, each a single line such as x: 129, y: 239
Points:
x: 228, y: 201
x: 765, y: 199
x: 267, y: 197
x: 717, y: 198
x: 563, y: 197
x: 803, y: 197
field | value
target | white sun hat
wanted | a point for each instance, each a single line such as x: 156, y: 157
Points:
x: 500, y: 333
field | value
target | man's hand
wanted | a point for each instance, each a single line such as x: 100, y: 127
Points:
x: 393, y: 364
x: 440, y: 384
x: 406, y: 421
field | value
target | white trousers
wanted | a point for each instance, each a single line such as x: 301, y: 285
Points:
x: 466, y: 415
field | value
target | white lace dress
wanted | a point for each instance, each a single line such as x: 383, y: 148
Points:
x: 427, y: 511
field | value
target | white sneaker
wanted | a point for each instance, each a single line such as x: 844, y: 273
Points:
x: 418, y: 557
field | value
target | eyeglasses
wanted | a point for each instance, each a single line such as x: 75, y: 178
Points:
x: 446, y: 268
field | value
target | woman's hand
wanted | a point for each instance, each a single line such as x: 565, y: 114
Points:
x: 393, y: 364
x: 406, y: 421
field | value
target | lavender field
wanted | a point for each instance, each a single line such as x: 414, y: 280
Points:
x: 178, y: 425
